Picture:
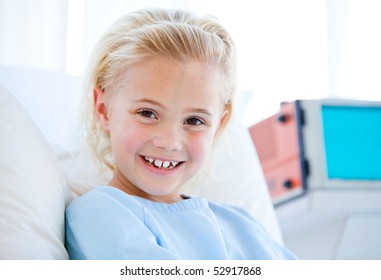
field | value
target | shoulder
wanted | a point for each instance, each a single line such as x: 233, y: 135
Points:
x: 102, y: 201
x: 237, y: 222
x: 230, y: 211
x: 106, y: 223
x: 233, y: 218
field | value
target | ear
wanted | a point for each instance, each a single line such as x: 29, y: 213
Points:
x: 101, y: 108
x: 224, y: 119
x: 226, y: 115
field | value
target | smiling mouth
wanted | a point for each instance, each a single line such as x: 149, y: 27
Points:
x: 162, y: 164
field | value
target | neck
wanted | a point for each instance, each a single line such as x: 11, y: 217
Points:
x: 121, y: 183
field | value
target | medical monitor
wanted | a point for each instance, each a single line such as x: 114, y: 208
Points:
x: 342, y: 143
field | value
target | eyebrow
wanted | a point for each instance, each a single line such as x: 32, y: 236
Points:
x: 158, y: 104
x: 202, y: 111
x: 146, y: 100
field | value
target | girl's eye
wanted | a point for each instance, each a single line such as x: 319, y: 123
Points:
x: 147, y: 114
x: 194, y: 121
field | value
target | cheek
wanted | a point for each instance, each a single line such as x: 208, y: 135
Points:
x: 127, y: 139
x: 199, y: 146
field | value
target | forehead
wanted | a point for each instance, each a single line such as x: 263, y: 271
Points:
x: 158, y: 68
x: 160, y: 76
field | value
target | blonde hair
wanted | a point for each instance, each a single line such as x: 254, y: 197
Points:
x: 175, y: 34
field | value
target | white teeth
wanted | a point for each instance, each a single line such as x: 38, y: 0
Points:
x: 150, y: 160
x: 162, y: 164
x: 157, y: 163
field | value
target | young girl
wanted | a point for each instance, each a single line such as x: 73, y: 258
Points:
x: 162, y: 86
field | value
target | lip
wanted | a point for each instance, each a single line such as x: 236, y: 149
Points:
x: 160, y: 171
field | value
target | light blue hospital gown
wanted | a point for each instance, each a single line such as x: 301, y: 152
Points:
x: 106, y: 223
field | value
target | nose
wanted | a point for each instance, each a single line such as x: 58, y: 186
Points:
x: 168, y: 137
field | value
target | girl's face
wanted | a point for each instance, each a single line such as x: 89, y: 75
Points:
x: 162, y: 119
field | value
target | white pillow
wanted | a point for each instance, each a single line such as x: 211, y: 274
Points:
x: 33, y: 193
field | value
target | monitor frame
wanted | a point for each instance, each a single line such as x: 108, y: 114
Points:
x: 312, y: 139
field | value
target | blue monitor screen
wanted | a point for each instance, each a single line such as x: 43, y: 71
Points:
x: 352, y: 140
